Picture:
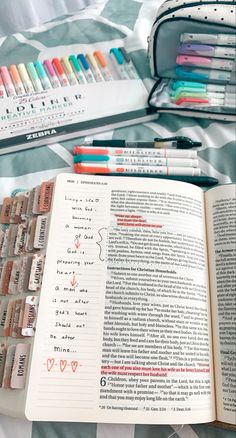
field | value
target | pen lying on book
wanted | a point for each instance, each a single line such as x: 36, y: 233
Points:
x: 201, y: 181
x: 101, y: 168
x: 141, y: 161
x: 178, y: 142
x: 135, y: 152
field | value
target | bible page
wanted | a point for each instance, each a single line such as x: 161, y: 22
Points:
x: 221, y: 225
x: 123, y: 332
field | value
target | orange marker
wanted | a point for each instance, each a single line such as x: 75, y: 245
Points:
x: 16, y: 79
x: 60, y: 72
x: 103, y: 65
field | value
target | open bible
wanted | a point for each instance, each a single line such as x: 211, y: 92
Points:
x: 135, y: 304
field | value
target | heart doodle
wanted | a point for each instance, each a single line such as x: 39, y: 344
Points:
x: 74, y: 365
x: 63, y: 364
x: 50, y: 363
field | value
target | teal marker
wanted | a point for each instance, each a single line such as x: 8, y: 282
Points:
x: 201, y: 86
x: 80, y: 158
x: 181, y: 84
x: 34, y: 77
x: 118, y: 63
x: 42, y: 75
x: 77, y: 69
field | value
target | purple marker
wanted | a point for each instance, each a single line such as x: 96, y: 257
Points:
x: 204, y: 50
x: 51, y: 74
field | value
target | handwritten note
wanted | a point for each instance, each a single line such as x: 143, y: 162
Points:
x: 65, y: 365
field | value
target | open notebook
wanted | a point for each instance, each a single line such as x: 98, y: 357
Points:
x: 137, y: 282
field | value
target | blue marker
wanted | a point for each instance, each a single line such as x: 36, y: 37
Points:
x: 86, y: 68
x: 118, y: 63
x: 202, y: 74
x: 42, y: 75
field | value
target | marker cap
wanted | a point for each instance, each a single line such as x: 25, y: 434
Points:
x: 81, y: 168
x: 14, y: 74
x: 125, y: 54
x: 83, y: 61
x: 23, y: 72
x: 90, y: 158
x: 5, y: 75
x: 118, y: 55
x: 188, y: 74
x: 50, y: 68
x: 32, y: 71
x: 67, y: 64
x: 74, y: 62
x: 91, y: 60
x: 58, y: 66
x: 40, y: 70
x: 100, y: 58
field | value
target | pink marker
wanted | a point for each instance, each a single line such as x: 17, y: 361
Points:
x: 51, y: 74
x: 2, y: 89
x: 217, y: 63
x: 6, y: 78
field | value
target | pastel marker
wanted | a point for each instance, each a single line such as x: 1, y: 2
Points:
x: 128, y: 64
x: 34, y: 77
x: 142, y: 161
x: 60, y: 72
x: 94, y: 67
x: 51, y: 74
x: 221, y: 64
x: 42, y: 75
x: 16, y: 79
x: 118, y: 63
x: 69, y: 71
x: 211, y: 51
x: 25, y: 78
x: 200, y: 85
x: 86, y: 68
x: 131, y: 169
x: 2, y: 89
x: 135, y: 151
x: 189, y: 101
x: 202, y: 74
x: 103, y: 65
x: 214, y: 39
x: 6, y: 79
x: 77, y: 69
x: 225, y: 98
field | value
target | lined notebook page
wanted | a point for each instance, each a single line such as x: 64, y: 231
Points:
x: 65, y: 364
x: 111, y: 343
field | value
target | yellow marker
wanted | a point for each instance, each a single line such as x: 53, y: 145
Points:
x: 94, y: 67
x: 69, y: 71
x: 25, y: 79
